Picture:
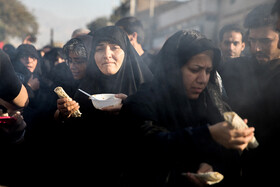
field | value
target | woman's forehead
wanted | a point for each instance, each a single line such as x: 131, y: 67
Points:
x: 106, y: 43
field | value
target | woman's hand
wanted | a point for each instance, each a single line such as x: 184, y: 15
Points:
x: 16, y: 126
x: 67, y: 107
x: 204, y: 167
x: 224, y: 134
x: 115, y: 109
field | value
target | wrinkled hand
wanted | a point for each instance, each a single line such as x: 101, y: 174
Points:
x: 204, y: 167
x: 67, y: 107
x: 224, y: 134
x: 115, y: 109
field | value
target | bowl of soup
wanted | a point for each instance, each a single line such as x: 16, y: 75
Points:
x: 100, y: 101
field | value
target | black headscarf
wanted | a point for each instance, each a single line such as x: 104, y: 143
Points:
x: 168, y: 99
x: 27, y: 50
x: 127, y: 80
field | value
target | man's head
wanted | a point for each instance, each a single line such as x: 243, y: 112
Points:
x: 135, y: 31
x: 231, y: 41
x: 263, y: 38
x: 276, y: 10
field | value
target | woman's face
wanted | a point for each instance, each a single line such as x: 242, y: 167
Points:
x: 77, y: 65
x: 109, y: 57
x: 29, y: 62
x: 196, y: 73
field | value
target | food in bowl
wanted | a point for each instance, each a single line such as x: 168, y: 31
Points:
x: 100, y: 101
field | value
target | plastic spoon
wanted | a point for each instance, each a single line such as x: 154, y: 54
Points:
x: 90, y: 96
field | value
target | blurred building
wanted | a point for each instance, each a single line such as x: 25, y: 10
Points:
x: 162, y: 18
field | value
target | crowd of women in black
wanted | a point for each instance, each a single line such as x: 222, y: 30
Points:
x: 169, y: 122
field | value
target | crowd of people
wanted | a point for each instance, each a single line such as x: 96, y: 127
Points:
x: 170, y: 123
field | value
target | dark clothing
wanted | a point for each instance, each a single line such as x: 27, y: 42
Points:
x: 168, y: 138
x: 42, y: 102
x: 242, y: 88
x: 10, y: 50
x: 12, y: 157
x: 148, y: 59
x: 10, y: 85
x: 61, y: 75
x: 168, y: 131
x: 254, y: 92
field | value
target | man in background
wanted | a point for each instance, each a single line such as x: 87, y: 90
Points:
x: 276, y: 10
x: 231, y: 41
x: 253, y: 89
x: 135, y: 32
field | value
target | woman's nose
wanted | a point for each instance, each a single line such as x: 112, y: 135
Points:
x: 202, y: 77
x: 107, y: 52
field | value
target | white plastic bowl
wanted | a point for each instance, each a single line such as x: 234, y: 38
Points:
x: 100, y: 101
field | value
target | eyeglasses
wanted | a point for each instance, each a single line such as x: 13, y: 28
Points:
x: 77, y: 61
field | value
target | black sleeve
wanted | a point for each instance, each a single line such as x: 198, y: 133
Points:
x: 188, y: 142
x: 10, y: 85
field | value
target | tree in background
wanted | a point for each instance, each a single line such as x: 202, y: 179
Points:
x: 120, y: 11
x: 98, y: 23
x: 15, y: 20
x: 117, y: 14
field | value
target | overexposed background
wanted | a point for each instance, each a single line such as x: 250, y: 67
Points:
x: 64, y: 16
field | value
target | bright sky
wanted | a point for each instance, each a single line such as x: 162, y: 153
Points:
x: 64, y: 16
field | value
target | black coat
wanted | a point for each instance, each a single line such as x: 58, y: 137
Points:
x: 254, y: 92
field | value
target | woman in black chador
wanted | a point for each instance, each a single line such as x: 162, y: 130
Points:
x: 114, y: 67
x: 176, y: 121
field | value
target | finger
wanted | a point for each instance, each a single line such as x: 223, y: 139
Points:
x: 112, y: 108
x: 121, y: 96
x: 194, y: 179
x: 204, y: 167
x: 19, y: 117
x: 71, y: 106
x: 241, y: 143
x: 61, y: 101
x: 68, y: 109
x: 243, y: 132
x: 64, y: 111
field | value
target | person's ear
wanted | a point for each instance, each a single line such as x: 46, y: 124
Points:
x: 243, y: 46
x: 130, y: 37
x: 134, y: 36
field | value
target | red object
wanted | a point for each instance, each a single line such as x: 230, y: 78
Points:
x: 1, y: 45
x: 7, y: 120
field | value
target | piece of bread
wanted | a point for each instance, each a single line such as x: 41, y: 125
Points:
x: 62, y: 94
x: 234, y: 119
x: 210, y: 178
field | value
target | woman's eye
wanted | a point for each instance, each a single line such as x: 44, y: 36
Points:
x: 99, y: 48
x: 194, y: 70
x: 114, y: 47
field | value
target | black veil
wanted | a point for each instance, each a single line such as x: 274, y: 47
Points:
x: 127, y: 80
